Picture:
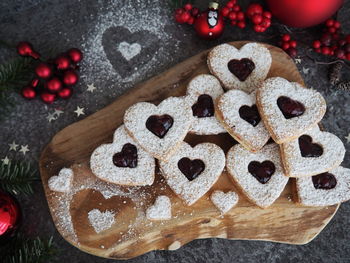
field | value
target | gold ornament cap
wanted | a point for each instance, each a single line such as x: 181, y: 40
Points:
x: 213, y: 5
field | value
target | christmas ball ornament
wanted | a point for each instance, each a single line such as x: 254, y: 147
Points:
x: 26, y: 49
x: 62, y: 62
x: 28, y: 93
x: 70, y: 78
x: 43, y: 71
x: 54, y: 84
x: 210, y: 24
x: 303, y: 13
x: 75, y: 55
x: 48, y: 97
x: 10, y: 216
x: 65, y: 93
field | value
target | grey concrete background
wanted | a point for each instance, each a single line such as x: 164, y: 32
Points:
x: 92, y: 26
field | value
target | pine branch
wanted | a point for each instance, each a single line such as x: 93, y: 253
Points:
x: 17, y: 178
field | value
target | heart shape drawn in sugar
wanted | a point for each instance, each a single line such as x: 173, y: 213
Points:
x: 129, y: 51
x: 61, y: 182
x: 191, y: 190
x: 159, y: 129
x: 243, y: 68
x: 312, y: 153
x: 101, y: 221
x: 325, y: 189
x: 202, y: 92
x: 259, y: 175
x: 123, y: 161
x: 160, y: 210
x: 288, y: 109
x: 224, y: 201
x: 237, y: 111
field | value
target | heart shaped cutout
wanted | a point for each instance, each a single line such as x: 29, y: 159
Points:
x: 123, y: 161
x: 290, y: 108
x: 262, y: 194
x: 224, y: 201
x: 201, y: 93
x: 325, y: 189
x: 262, y: 171
x: 129, y: 51
x: 61, y: 182
x: 281, y: 129
x: 160, y: 210
x: 101, y: 221
x: 191, y: 168
x: 243, y: 68
x: 237, y: 111
x: 190, y: 191
x: 137, y: 116
x: 314, y: 152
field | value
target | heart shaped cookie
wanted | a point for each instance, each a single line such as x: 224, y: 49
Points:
x: 243, y: 68
x: 325, y: 189
x: 312, y: 153
x: 61, y: 182
x: 160, y: 210
x: 101, y: 221
x: 202, y: 91
x: 191, y: 172
x: 288, y: 109
x: 259, y: 175
x: 159, y: 129
x: 224, y: 201
x: 123, y: 161
x: 239, y: 114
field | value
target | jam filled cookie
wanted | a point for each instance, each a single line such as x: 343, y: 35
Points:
x: 288, y: 109
x: 259, y: 175
x: 160, y: 210
x: 202, y: 92
x: 61, y: 182
x: 159, y: 129
x: 239, y: 114
x: 312, y: 153
x: 224, y: 201
x: 123, y: 161
x: 324, y: 189
x: 191, y: 172
x: 243, y: 68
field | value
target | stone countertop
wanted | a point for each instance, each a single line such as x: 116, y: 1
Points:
x: 96, y: 27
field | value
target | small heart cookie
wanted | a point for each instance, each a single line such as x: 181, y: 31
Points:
x: 101, y: 221
x: 123, y: 161
x: 159, y: 129
x: 191, y: 172
x: 312, y: 153
x: 224, y: 201
x: 202, y: 92
x: 259, y: 175
x: 160, y: 210
x: 239, y: 114
x: 325, y: 189
x: 61, y: 182
x: 288, y: 109
x: 243, y: 68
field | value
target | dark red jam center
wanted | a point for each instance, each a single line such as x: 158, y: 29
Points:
x: 324, y: 181
x: 289, y: 107
x: 250, y: 114
x: 159, y: 125
x: 204, y: 107
x: 309, y: 149
x: 241, y: 68
x: 127, y: 157
x: 191, y: 168
x: 262, y: 171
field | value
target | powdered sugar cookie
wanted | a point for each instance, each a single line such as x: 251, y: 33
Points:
x: 159, y: 129
x: 259, y: 175
x: 325, y: 189
x: 160, y: 210
x: 288, y: 109
x: 191, y: 172
x: 202, y: 92
x: 312, y: 153
x: 239, y: 114
x: 61, y: 182
x: 224, y: 201
x: 123, y: 161
x: 243, y: 68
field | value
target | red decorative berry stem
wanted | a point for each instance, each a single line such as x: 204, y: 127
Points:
x: 259, y: 17
x: 234, y: 13
x: 288, y: 45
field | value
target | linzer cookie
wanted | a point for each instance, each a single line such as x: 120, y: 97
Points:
x: 325, y: 189
x: 312, y: 153
x: 239, y: 114
x: 202, y: 92
x: 191, y: 172
x: 123, y: 161
x: 259, y: 175
x: 159, y: 129
x: 243, y: 68
x: 288, y: 109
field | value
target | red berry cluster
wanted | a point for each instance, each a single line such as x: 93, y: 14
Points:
x: 332, y: 42
x: 260, y: 18
x: 288, y: 45
x: 55, y: 77
x: 187, y: 14
x: 234, y: 13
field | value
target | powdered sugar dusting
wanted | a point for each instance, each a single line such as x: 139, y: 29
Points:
x: 160, y: 210
x: 61, y: 182
x: 129, y: 51
x: 224, y: 201
x: 101, y: 221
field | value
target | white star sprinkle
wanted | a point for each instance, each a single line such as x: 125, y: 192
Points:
x: 91, y: 88
x: 24, y: 149
x: 79, y: 111
x: 51, y: 117
x: 58, y: 112
x: 297, y: 61
x: 13, y: 146
x: 5, y: 161
x: 348, y: 138
x: 306, y: 70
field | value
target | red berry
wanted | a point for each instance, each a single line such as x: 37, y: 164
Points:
x: 190, y: 21
x: 326, y: 39
x: 316, y: 44
x: 188, y: 7
x: 236, y: 8
x: 286, y: 37
x: 348, y: 56
x: 257, y: 19
x: 292, y: 52
x: 263, y: 29
x: 70, y: 78
x: 28, y: 93
x: 43, y: 70
x: 266, y: 23
x: 233, y: 22
x: 329, y: 22
x: 62, y: 62
x: 178, y: 19
x: 336, y: 24
x: 339, y: 53
x: 257, y: 28
x: 293, y: 43
x: 285, y: 46
x: 342, y: 42
x: 318, y: 50
x: 241, y: 24
x: 54, y: 84
x: 232, y: 15
x: 230, y: 4
x: 325, y: 50
x: 48, y: 97
x: 347, y: 48
x: 332, y: 30
x: 254, y: 9
x: 185, y: 16
x: 195, y: 11
x: 65, y: 93
x: 267, y: 14
x: 179, y: 11
x: 348, y: 39
x: 224, y: 11
x: 75, y: 55
x: 240, y: 16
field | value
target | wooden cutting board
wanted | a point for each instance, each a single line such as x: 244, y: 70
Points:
x: 132, y: 235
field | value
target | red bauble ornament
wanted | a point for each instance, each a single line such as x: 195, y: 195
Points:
x: 62, y: 62
x: 303, y: 13
x: 26, y: 49
x: 65, y: 93
x: 10, y: 216
x: 54, y: 84
x: 75, y: 55
x: 48, y: 97
x: 70, y: 78
x: 210, y: 24
x: 43, y: 71
x: 28, y: 93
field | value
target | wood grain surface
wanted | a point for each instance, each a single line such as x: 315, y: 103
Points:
x: 132, y: 234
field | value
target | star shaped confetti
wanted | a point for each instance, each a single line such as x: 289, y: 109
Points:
x: 91, y: 88
x: 5, y: 161
x: 79, y: 111
x: 297, y: 61
x: 24, y: 149
x: 13, y: 146
x: 51, y: 117
x: 58, y: 112
x: 348, y: 138
x: 306, y: 70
